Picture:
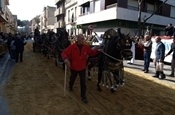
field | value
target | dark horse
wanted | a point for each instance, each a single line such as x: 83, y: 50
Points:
x: 61, y: 44
x: 116, y: 48
x: 54, y: 44
x: 37, y: 44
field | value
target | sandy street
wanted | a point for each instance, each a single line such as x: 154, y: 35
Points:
x: 36, y: 88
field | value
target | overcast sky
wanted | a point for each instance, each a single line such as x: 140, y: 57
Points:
x: 27, y: 9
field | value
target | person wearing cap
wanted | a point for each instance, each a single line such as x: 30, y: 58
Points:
x: 159, y: 58
x: 75, y: 57
x: 173, y: 57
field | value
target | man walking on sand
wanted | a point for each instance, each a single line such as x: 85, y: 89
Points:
x: 75, y: 57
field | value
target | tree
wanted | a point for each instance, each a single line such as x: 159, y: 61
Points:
x: 141, y: 26
x: 22, y: 23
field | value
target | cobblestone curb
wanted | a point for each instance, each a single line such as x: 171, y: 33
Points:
x: 166, y: 82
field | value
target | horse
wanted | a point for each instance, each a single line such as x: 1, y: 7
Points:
x: 116, y: 47
x: 61, y: 43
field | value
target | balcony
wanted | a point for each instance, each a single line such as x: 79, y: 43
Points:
x: 62, y: 24
x: 62, y: 10
x: 82, y: 2
x: 70, y: 3
x: 57, y: 12
x: 132, y: 15
x: 91, y: 18
x: 58, y: 1
x: 57, y: 25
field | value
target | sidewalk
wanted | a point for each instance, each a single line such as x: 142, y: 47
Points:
x: 3, y: 62
x: 137, y: 67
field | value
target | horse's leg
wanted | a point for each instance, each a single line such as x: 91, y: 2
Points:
x: 121, y: 76
x: 110, y: 77
x: 100, y: 76
x: 90, y: 66
x: 100, y: 70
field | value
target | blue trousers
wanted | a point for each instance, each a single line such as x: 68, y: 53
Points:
x: 146, y: 60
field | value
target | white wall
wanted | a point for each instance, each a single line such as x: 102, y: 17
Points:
x: 98, y: 16
x: 132, y: 15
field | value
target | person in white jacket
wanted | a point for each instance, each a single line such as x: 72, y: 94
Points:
x: 133, y: 54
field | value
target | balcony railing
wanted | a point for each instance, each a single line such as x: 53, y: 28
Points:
x: 62, y: 24
x: 57, y: 12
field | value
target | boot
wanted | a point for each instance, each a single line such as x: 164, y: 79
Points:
x: 157, y: 74
x: 162, y: 75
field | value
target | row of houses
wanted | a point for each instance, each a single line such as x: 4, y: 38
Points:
x: 76, y: 16
x: 8, y: 21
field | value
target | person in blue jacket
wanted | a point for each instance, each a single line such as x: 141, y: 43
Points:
x: 159, y: 59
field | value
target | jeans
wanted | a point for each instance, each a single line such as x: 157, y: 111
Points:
x: 146, y: 60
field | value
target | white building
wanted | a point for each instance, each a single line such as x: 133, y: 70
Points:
x: 60, y: 15
x: 47, y: 19
x: 105, y: 14
x: 72, y: 13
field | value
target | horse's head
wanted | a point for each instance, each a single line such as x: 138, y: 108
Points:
x: 126, y: 44
x: 117, y: 44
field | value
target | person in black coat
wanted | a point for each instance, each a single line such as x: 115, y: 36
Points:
x: 19, y: 43
x: 169, y: 30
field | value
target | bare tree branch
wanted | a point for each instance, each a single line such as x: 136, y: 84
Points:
x: 155, y: 11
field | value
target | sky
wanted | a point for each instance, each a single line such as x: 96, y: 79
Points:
x: 28, y: 9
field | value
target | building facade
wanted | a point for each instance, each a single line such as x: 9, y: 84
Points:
x: 105, y: 14
x: 60, y: 15
x: 35, y: 23
x: 47, y: 19
x: 3, y: 15
x: 72, y: 13
x: 8, y: 23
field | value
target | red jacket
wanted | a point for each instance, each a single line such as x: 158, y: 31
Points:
x: 78, y: 60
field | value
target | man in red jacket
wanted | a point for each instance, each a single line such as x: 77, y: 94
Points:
x: 75, y: 57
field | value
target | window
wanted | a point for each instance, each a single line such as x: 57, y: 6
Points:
x: 172, y: 12
x: 150, y: 8
x: 132, y: 5
x: 68, y: 15
x: 75, y: 13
